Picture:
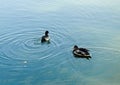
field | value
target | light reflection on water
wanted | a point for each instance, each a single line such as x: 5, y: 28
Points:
x: 24, y: 60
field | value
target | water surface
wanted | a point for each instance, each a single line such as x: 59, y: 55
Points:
x: 91, y: 24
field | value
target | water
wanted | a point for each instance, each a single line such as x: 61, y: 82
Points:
x: 92, y: 24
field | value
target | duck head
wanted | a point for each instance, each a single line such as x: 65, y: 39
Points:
x: 75, y: 47
x: 46, y: 33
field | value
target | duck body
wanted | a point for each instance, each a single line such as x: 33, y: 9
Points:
x: 81, y: 52
x: 45, y: 38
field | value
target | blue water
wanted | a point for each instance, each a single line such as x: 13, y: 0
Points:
x: 93, y: 24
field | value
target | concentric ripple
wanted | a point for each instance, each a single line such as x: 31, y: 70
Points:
x: 21, y: 48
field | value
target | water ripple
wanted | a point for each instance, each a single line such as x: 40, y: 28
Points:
x: 101, y: 57
x: 24, y: 47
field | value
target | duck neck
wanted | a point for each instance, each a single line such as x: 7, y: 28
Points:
x: 46, y: 34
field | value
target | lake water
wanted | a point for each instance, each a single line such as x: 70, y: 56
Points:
x: 93, y: 24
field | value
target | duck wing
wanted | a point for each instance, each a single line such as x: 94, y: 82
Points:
x: 83, y: 49
x: 43, y: 39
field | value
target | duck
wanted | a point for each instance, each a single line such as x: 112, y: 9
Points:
x: 81, y: 52
x: 46, y: 37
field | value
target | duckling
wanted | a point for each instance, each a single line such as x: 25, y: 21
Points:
x: 81, y: 52
x: 46, y: 37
